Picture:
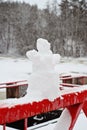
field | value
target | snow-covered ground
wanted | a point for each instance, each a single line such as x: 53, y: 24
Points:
x: 81, y: 124
x: 13, y: 69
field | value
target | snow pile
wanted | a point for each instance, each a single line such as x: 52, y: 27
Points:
x: 44, y: 79
x: 64, y: 121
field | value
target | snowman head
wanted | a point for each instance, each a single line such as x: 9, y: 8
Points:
x: 43, y: 46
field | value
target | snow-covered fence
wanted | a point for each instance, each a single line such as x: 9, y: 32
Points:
x: 15, y: 89
x: 74, y: 100
x: 76, y: 80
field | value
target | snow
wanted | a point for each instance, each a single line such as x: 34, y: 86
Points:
x: 12, y: 69
x: 64, y: 121
x: 42, y: 71
x: 7, y: 128
x: 81, y: 124
x: 44, y: 78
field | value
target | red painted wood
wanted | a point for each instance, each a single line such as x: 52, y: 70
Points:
x: 25, y: 123
x: 69, y: 85
x: 69, y: 79
x: 74, y: 112
x: 14, y: 84
x: 4, y: 127
x: 73, y: 101
x: 8, y: 83
x: 22, y: 111
x: 85, y: 108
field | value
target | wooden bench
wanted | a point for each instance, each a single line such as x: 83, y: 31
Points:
x: 74, y: 101
x: 79, y: 80
x: 15, y: 89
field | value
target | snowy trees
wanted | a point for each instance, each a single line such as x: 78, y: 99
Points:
x: 74, y: 25
x: 8, y: 24
x: 21, y: 24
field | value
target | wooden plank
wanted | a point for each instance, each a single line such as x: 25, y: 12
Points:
x: 22, y: 111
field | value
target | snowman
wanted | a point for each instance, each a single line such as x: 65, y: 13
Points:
x: 44, y: 80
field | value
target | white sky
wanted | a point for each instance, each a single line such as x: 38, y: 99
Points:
x: 41, y: 3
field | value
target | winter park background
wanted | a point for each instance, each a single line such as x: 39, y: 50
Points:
x: 63, y: 24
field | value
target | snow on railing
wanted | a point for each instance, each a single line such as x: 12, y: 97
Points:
x: 73, y: 99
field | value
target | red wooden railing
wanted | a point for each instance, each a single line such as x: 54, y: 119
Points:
x: 73, y: 101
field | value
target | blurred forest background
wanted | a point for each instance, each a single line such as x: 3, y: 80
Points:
x: 64, y: 25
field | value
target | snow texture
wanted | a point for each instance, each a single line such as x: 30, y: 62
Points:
x: 14, y: 69
x: 64, y: 121
x: 44, y: 77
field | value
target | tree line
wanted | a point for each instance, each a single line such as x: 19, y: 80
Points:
x: 64, y: 25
